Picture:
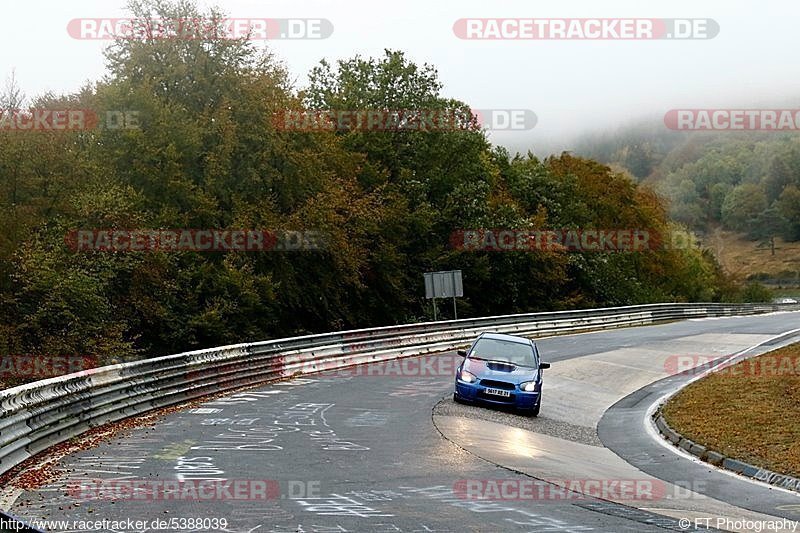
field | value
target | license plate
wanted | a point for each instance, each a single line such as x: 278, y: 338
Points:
x: 498, y: 392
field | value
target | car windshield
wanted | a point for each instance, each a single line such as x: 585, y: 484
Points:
x: 517, y: 353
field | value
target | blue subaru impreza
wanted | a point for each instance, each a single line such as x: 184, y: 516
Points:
x: 501, y: 370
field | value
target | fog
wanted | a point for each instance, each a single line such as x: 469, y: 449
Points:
x: 573, y: 86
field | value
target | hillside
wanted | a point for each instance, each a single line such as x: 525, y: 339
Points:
x: 739, y: 189
x: 744, y: 258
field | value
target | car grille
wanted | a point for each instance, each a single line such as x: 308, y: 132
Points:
x: 497, y: 384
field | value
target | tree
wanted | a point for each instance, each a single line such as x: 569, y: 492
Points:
x: 777, y: 179
x: 744, y: 203
x: 433, y: 182
x: 788, y: 205
x: 766, y: 226
x: 717, y: 194
x: 12, y: 96
x: 638, y: 159
x: 755, y: 292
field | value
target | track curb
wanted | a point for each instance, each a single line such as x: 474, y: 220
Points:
x: 721, y: 460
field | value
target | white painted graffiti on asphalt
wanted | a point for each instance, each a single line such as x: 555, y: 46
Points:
x: 303, y: 419
x: 445, y: 494
x: 247, y: 439
x: 197, y: 468
x: 311, y: 529
x: 339, y: 505
x: 235, y: 421
x: 243, y: 398
x: 374, y: 528
x: 312, y: 415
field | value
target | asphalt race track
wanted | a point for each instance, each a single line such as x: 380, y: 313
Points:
x: 349, y: 451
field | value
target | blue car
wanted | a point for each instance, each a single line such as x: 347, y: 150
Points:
x: 501, y: 370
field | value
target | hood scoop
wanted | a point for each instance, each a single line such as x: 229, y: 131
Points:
x: 499, y: 366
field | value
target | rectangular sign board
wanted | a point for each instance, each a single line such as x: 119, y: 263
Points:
x: 446, y: 284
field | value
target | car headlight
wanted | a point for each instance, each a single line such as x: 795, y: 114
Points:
x: 528, y: 386
x: 467, y: 376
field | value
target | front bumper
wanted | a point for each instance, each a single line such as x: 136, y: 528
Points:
x: 476, y: 393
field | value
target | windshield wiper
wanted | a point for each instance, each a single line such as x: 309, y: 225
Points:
x: 511, y: 363
x: 498, y: 362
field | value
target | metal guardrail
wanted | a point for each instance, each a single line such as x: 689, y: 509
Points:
x: 38, y: 415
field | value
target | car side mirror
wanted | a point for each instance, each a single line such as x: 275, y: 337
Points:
x: 543, y: 366
x: 462, y: 353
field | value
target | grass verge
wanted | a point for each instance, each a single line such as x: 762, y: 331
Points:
x: 749, y: 411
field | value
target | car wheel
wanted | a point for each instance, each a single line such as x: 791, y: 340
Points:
x: 535, y: 411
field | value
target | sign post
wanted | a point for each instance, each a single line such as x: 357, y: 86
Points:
x: 445, y: 284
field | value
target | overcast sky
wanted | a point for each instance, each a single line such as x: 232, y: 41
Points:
x: 572, y: 86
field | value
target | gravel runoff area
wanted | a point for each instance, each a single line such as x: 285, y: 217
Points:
x: 540, y: 424
x: 748, y: 411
